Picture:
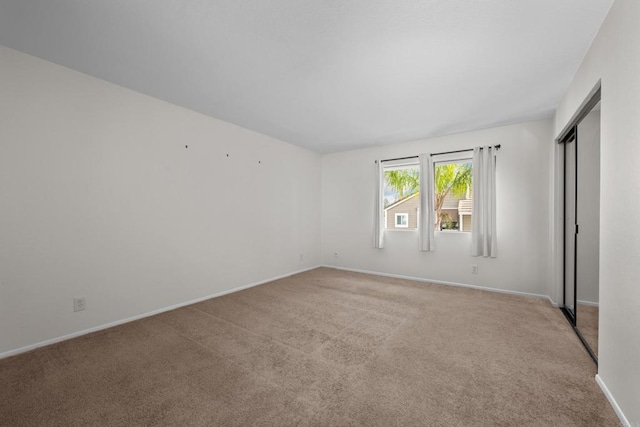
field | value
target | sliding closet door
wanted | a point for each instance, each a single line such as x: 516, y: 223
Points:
x: 581, y: 222
x: 570, y: 159
x: 588, y: 217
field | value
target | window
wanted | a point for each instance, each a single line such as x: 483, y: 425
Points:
x: 401, y: 191
x: 453, y: 192
x: 402, y: 220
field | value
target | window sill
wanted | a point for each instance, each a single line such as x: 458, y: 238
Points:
x: 404, y: 230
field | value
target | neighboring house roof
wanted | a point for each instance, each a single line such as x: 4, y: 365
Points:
x: 401, y: 201
x: 465, y: 206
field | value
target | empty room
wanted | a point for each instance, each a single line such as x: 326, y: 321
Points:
x: 320, y: 213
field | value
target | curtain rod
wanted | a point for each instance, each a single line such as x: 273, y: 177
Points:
x: 497, y: 147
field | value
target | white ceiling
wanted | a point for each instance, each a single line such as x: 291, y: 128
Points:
x: 327, y: 75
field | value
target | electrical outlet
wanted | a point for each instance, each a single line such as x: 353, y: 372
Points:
x: 79, y: 304
x: 474, y: 269
x: 335, y: 254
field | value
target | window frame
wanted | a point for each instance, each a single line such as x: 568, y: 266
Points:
x: 401, y: 215
x: 444, y: 159
x: 398, y: 165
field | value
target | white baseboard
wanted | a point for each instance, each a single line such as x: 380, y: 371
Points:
x: 623, y: 420
x: 441, y: 282
x: 141, y: 316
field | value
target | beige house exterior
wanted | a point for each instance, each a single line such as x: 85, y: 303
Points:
x: 403, y: 214
x: 465, y: 207
x: 450, y: 208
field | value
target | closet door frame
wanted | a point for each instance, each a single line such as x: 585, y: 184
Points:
x: 567, y: 136
x: 571, y: 138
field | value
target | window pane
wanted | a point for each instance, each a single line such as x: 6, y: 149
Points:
x: 453, y: 192
x: 402, y: 220
x: 401, y: 199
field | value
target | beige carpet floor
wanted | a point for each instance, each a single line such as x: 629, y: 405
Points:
x: 325, y: 347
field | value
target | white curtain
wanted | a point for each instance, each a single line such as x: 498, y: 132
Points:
x: 378, y: 215
x: 427, y: 242
x: 483, y: 228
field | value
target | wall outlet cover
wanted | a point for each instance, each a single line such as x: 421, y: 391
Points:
x: 79, y: 304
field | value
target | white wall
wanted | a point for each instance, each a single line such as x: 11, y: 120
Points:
x: 614, y: 57
x: 100, y: 198
x: 523, y: 173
